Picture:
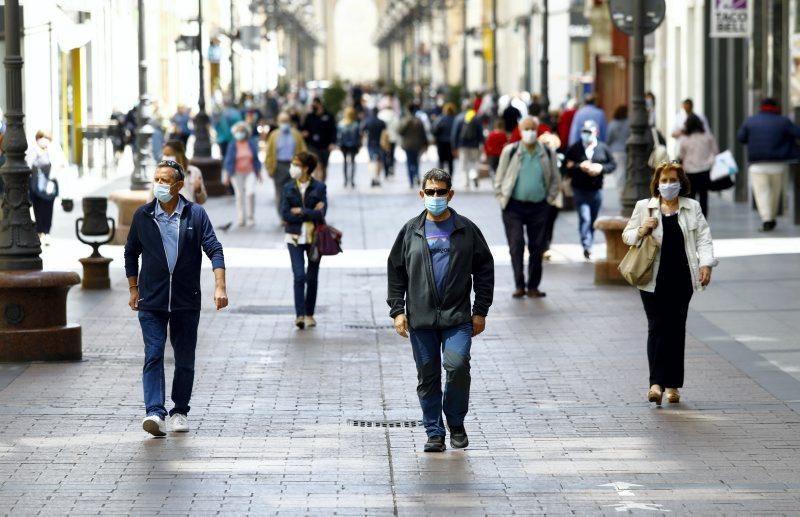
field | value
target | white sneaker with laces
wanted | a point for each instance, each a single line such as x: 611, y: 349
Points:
x: 179, y: 423
x: 155, y: 425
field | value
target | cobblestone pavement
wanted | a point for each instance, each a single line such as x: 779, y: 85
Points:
x: 558, y: 421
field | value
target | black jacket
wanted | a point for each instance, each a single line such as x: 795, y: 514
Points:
x: 158, y: 290
x: 577, y: 153
x: 411, y: 285
x: 291, y: 198
x: 321, y: 130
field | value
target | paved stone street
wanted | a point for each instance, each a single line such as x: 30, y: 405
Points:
x: 323, y: 422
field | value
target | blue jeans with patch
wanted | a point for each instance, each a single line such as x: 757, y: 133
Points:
x: 432, y: 350
x: 183, y: 336
x: 587, y: 204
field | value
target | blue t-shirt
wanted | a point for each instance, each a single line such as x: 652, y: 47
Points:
x: 438, y: 236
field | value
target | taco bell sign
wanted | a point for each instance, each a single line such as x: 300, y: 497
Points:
x: 730, y: 18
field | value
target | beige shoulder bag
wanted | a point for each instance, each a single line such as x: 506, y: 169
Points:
x: 636, y: 266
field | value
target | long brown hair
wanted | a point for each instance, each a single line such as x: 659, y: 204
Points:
x: 180, y: 152
x: 682, y: 178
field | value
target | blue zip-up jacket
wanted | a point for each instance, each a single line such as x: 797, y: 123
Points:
x: 770, y: 137
x: 229, y: 163
x: 291, y: 198
x: 158, y: 290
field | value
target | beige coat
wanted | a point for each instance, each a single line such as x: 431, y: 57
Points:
x: 272, y: 149
x: 505, y: 178
x: 696, y: 236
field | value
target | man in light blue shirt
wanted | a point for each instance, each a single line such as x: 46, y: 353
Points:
x: 169, y: 227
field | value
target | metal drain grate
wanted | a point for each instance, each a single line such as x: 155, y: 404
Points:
x: 385, y: 423
x: 367, y: 327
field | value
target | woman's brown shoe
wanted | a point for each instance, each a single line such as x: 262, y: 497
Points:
x: 655, y: 394
x: 673, y: 396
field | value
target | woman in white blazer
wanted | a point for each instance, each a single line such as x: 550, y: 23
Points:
x: 682, y: 266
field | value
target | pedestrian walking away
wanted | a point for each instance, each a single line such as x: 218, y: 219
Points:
x: 771, y: 144
x: 319, y: 131
x: 467, y: 138
x: 282, y: 146
x: 242, y: 169
x: 168, y: 234
x: 526, y: 184
x: 682, y: 266
x: 414, y: 141
x: 442, y: 133
x: 390, y: 117
x: 619, y: 129
x: 439, y: 257
x: 373, y: 127
x: 349, y: 140
x: 303, y: 206
x: 589, y: 112
x: 495, y: 142
x: 697, y: 149
x: 586, y: 162
x: 194, y: 188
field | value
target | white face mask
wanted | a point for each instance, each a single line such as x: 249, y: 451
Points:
x: 43, y: 142
x: 528, y: 136
x: 295, y: 171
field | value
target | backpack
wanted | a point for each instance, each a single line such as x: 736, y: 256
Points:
x: 350, y: 135
x: 470, y: 131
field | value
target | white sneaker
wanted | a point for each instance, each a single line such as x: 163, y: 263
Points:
x: 155, y: 425
x: 310, y: 322
x: 179, y: 423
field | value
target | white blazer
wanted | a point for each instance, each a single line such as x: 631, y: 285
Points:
x: 696, y: 236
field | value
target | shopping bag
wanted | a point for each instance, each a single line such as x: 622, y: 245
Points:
x: 328, y: 239
x: 724, y: 165
x: 636, y: 267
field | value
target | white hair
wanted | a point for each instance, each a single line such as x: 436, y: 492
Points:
x: 533, y: 119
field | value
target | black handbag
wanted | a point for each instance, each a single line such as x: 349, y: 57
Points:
x: 723, y: 183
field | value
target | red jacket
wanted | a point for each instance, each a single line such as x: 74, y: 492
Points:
x: 564, y: 123
x: 495, y: 142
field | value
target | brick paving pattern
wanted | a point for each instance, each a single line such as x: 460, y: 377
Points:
x: 558, y: 422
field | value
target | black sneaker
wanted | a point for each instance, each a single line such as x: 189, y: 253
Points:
x: 458, y: 437
x: 435, y: 444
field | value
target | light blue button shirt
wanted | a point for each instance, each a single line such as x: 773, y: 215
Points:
x: 170, y: 226
x: 285, y: 151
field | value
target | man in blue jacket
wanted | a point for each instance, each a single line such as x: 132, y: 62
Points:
x: 589, y: 111
x: 168, y: 234
x: 771, y: 144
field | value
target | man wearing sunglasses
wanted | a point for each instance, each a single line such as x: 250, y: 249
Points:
x: 168, y: 233
x: 439, y: 257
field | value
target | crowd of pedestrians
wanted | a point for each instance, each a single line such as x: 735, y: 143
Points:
x: 440, y: 270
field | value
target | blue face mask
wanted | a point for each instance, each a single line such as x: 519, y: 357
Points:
x: 436, y: 205
x: 669, y: 191
x: 587, y: 138
x: 162, y: 192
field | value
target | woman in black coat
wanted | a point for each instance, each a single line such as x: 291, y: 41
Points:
x: 304, y: 202
x: 586, y: 162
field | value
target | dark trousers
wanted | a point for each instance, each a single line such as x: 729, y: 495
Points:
x: 445, y: 152
x: 430, y: 347
x: 323, y: 156
x: 412, y: 164
x: 700, y: 182
x: 280, y: 180
x: 552, y: 215
x: 305, y: 280
x: 42, y: 213
x: 492, y: 162
x: 183, y: 336
x: 587, y: 204
x: 349, y: 154
x: 388, y: 160
x: 666, y: 311
x: 520, y: 217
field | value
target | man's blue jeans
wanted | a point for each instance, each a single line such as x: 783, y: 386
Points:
x: 429, y: 347
x: 412, y: 164
x: 587, y: 203
x: 305, y: 279
x: 183, y: 336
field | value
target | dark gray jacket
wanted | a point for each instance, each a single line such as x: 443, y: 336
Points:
x: 411, y: 285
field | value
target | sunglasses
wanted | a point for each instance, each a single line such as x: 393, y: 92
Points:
x: 172, y: 165
x: 441, y: 192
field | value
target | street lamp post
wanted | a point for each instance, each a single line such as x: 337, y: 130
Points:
x: 233, y: 75
x: 143, y: 158
x: 33, y: 303
x: 495, y: 94
x: 202, y: 139
x: 464, y: 48
x: 639, y: 143
x: 545, y: 87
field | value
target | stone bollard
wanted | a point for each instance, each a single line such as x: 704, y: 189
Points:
x: 127, y: 202
x: 212, y: 175
x: 605, y: 271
